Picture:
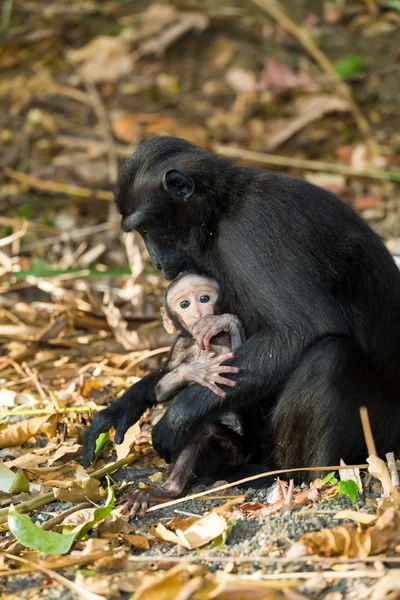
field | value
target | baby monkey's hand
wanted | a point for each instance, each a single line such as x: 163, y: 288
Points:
x: 208, y: 372
x: 208, y: 327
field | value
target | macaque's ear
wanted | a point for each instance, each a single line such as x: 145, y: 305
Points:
x: 169, y: 326
x: 179, y: 185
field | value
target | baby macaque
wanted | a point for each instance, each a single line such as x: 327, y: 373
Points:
x: 205, y: 341
x: 189, y: 309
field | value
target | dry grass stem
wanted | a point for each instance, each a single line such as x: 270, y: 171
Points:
x: 247, y: 479
x: 369, y: 440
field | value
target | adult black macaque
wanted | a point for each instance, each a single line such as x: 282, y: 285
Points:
x: 315, y: 288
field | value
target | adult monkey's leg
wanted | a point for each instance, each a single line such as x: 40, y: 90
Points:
x: 316, y: 420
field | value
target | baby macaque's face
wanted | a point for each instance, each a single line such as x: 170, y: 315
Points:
x: 193, y: 297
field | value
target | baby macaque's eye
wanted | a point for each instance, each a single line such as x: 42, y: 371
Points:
x: 184, y: 304
x: 204, y: 299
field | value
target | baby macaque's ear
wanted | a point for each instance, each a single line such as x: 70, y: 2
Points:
x: 168, y: 324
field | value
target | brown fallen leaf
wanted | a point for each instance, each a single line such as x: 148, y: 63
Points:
x: 63, y: 451
x: 114, y: 524
x: 358, y: 517
x: 180, y: 523
x: 378, y: 468
x: 175, y: 583
x: 26, y: 461
x: 80, y: 491
x: 19, y: 433
x: 226, y: 508
x: 174, y: 25
x: 122, y: 450
x: 137, y: 541
x: 105, y: 58
x: 351, y: 541
x: 309, y: 109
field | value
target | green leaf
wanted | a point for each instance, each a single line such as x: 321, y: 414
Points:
x: 101, y: 442
x: 349, y: 488
x: 20, y: 484
x: 395, y: 4
x: 350, y: 65
x: 51, y: 542
x: 32, y: 536
x: 330, y: 478
x: 100, y: 513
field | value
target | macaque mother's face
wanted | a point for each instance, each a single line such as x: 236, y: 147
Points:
x: 191, y: 298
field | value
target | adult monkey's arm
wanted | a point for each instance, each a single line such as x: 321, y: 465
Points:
x: 121, y: 414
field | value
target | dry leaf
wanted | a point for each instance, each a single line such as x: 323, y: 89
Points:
x: 113, y: 524
x: 233, y: 587
x: 106, y: 58
x: 156, y: 477
x: 377, y: 468
x: 80, y: 491
x: 174, y: 27
x: 309, y: 109
x: 63, y: 451
x: 385, y: 587
x: 358, y: 517
x: 122, y: 450
x: 350, y: 541
x: 19, y: 433
x: 201, y: 532
x: 26, y: 461
x: 78, y: 518
x: 175, y: 583
x: 137, y: 541
x: 226, y: 508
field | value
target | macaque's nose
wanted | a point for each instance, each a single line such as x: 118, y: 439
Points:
x: 197, y: 312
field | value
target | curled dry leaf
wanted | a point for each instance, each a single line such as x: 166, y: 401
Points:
x: 377, y: 468
x: 196, y: 535
x: 122, y: 450
x: 175, y: 583
x: 350, y: 541
x: 19, y: 433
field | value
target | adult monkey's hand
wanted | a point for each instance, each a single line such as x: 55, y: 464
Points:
x: 121, y: 414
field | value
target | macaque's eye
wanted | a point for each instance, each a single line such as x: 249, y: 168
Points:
x: 184, y: 304
x: 205, y: 298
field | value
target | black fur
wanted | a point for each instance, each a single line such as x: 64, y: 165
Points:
x: 316, y: 289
